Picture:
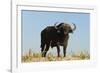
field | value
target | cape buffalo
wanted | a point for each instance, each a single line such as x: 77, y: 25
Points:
x: 56, y: 36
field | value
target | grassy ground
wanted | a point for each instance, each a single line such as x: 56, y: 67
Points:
x: 36, y: 57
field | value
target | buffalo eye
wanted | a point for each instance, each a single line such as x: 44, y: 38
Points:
x: 70, y: 31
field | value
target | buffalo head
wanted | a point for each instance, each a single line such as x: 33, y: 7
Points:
x: 65, y: 28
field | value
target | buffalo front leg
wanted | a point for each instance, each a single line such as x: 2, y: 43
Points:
x: 58, y: 51
x: 64, y: 50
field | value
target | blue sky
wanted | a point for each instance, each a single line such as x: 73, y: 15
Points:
x: 33, y: 22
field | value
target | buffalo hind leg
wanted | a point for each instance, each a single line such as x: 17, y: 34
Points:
x: 42, y: 49
x: 46, y: 49
x: 58, y: 51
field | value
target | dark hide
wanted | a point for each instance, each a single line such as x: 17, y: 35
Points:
x: 55, y: 37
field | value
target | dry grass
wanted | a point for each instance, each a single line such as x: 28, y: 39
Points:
x: 36, y: 57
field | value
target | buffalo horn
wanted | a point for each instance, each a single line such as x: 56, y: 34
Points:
x: 55, y: 25
x: 74, y: 26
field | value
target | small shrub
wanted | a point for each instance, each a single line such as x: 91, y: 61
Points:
x: 30, y: 56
